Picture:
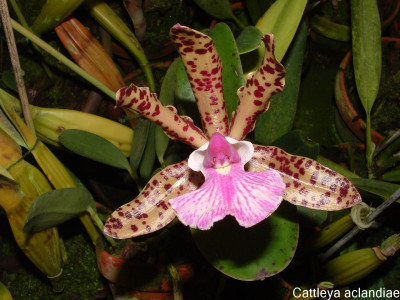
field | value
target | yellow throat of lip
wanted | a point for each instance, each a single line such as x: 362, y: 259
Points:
x: 223, y: 169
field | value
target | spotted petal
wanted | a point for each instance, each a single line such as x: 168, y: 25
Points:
x: 147, y: 104
x: 254, y: 97
x: 150, y: 210
x: 308, y: 183
x: 249, y: 197
x: 204, y: 69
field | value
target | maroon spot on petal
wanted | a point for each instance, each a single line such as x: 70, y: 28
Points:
x: 200, y: 51
x: 257, y: 102
x: 167, y: 186
x: 134, y: 228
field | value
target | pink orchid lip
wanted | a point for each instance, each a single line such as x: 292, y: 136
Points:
x: 228, y: 189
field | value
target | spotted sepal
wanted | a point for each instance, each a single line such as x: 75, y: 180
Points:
x: 150, y: 210
x: 146, y: 103
x: 254, y: 97
x: 204, y: 69
x: 308, y: 183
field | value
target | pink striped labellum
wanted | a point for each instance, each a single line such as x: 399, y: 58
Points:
x: 225, y: 175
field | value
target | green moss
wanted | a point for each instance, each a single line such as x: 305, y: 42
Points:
x: 80, y: 276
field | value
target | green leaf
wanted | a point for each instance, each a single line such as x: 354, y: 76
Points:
x: 282, y: 19
x: 94, y: 147
x: 279, y: 117
x: 232, y: 73
x: 376, y: 187
x: 311, y: 217
x: 167, y: 97
x: 249, y: 39
x: 220, y: 9
x: 251, y: 253
x: 8, y: 79
x: 55, y: 207
x: 149, y: 156
x: 366, y: 45
x: 139, y: 144
x: 185, y: 100
x: 296, y: 143
x: 367, y: 60
x: 256, y: 8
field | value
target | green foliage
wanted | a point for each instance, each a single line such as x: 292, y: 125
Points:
x: 167, y: 97
x: 56, y: 207
x: 249, y: 39
x: 251, y: 253
x: 279, y: 118
x: 232, y: 73
x: 94, y: 147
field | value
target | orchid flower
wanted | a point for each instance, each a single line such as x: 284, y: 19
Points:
x: 225, y: 175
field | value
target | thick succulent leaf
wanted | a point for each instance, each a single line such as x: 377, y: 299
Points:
x: 255, y: 95
x: 139, y: 144
x: 150, y: 210
x: 146, y: 167
x: 167, y: 97
x: 249, y: 39
x: 251, y: 253
x: 282, y: 20
x: 147, y: 104
x: 55, y: 207
x: 94, y: 147
x: 367, y: 53
x: 279, y: 118
x: 308, y: 183
x: 204, y: 68
x: 232, y: 73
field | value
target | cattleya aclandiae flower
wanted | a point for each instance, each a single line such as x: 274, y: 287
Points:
x: 225, y: 175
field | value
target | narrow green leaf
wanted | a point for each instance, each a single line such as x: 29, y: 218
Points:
x: 149, y: 156
x: 94, y: 147
x: 232, y: 73
x: 279, y: 117
x: 167, y: 97
x: 251, y: 253
x: 367, y: 55
x: 220, y: 9
x: 55, y: 207
x: 139, y: 143
x: 249, y: 39
x: 282, y: 19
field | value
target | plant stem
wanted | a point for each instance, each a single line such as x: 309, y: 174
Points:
x: 96, y: 220
x: 370, y: 146
x: 12, y: 48
x: 67, y: 62
x: 372, y: 216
